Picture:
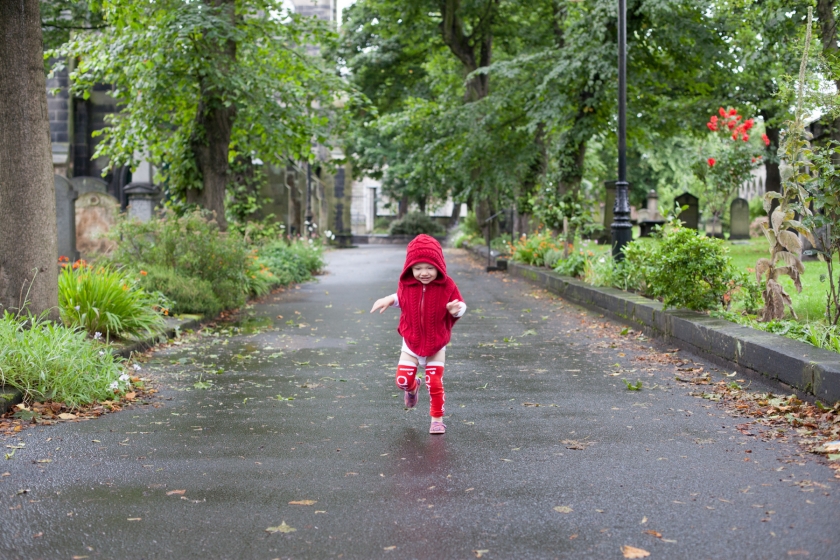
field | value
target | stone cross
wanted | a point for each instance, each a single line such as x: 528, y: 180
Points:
x: 739, y: 219
x: 65, y: 213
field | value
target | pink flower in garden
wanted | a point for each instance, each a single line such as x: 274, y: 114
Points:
x: 711, y: 161
x: 766, y: 139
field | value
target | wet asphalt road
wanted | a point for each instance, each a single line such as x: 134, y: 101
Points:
x: 203, y: 470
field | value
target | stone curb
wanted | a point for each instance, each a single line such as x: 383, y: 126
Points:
x: 799, y: 365
x: 11, y: 397
x: 386, y: 239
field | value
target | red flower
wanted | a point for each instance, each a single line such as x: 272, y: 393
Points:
x: 711, y: 161
x: 712, y: 126
x: 722, y: 112
x: 748, y: 124
x: 732, y: 112
x: 745, y: 137
x: 737, y: 117
x: 735, y: 135
x: 752, y: 160
x: 714, y: 119
x: 766, y: 139
x: 730, y: 124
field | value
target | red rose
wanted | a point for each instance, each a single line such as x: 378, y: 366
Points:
x: 766, y: 139
x: 748, y: 123
x: 730, y: 124
x: 711, y: 161
x: 732, y: 112
x: 712, y: 126
x: 745, y: 138
x: 722, y: 112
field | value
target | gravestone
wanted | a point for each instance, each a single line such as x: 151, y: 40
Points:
x: 96, y: 214
x: 739, y: 219
x: 651, y: 217
x: 89, y: 184
x: 142, y: 199
x: 690, y: 217
x: 65, y: 213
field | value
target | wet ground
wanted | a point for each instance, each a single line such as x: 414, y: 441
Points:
x: 293, y: 424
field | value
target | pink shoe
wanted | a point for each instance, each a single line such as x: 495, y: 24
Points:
x: 411, y: 398
x: 437, y: 428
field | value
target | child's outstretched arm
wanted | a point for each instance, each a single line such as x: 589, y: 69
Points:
x: 456, y: 308
x: 384, y: 303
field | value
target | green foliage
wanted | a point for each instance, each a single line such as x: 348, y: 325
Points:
x: 192, y: 246
x: 573, y: 265
x: 187, y: 294
x: 415, y: 223
x: 107, y: 301
x: 47, y: 361
x: 533, y: 249
x: 292, y: 262
x: 685, y: 269
x: 168, y: 60
x: 816, y: 334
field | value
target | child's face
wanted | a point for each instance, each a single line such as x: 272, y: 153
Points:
x: 424, y: 272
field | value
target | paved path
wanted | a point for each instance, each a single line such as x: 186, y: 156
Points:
x: 202, y: 472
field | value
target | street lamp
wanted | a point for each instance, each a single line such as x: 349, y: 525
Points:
x: 621, y: 228
x: 308, y: 217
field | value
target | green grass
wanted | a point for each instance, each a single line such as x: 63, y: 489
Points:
x: 810, y: 303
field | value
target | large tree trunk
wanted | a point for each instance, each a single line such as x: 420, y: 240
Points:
x: 210, y: 142
x: 828, y: 34
x: 28, y: 246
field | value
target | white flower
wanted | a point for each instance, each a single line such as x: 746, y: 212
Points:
x: 124, y: 377
x: 101, y: 353
x: 136, y: 367
x: 115, y: 386
x: 76, y: 308
x: 97, y: 335
x: 602, y: 259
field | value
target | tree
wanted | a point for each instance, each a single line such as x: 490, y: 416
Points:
x: 199, y: 83
x: 28, y: 246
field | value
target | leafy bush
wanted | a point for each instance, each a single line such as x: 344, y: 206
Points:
x: 49, y: 361
x: 685, y: 269
x: 292, y: 262
x: 501, y: 243
x: 415, y: 223
x: 105, y: 300
x: 533, y: 249
x: 187, y: 294
x: 193, y: 246
x: 381, y: 225
x: 573, y: 265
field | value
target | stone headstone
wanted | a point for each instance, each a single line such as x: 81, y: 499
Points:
x: 739, y: 219
x: 142, y: 199
x: 89, y: 184
x: 96, y: 214
x: 690, y: 217
x: 65, y: 213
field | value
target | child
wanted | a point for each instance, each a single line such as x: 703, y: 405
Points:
x: 429, y: 303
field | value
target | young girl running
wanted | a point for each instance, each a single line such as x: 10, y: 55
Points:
x: 429, y: 303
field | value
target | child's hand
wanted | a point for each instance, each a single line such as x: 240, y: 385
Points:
x: 382, y: 304
x: 453, y: 307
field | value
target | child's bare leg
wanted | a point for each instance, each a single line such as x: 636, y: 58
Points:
x: 434, y: 381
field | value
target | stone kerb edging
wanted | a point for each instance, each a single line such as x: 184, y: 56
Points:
x: 805, y: 367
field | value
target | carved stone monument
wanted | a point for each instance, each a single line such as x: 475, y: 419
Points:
x: 89, y: 184
x: 739, y: 219
x: 96, y: 214
x: 650, y: 217
x: 65, y: 213
x: 690, y: 217
x: 142, y: 199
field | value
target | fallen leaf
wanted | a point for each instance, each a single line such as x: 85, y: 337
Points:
x: 480, y: 553
x: 389, y: 548
x: 653, y: 533
x: 563, y: 509
x: 66, y: 416
x: 134, y: 519
x: 303, y: 502
x: 633, y: 552
x: 44, y: 461
x: 282, y: 528
x: 38, y: 535
x: 176, y: 492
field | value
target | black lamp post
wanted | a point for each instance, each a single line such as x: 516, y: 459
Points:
x: 308, y: 217
x: 622, y: 232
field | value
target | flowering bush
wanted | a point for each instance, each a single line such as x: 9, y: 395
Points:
x: 733, y: 157
x: 533, y: 249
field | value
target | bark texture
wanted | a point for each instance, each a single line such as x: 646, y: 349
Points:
x: 211, y: 140
x: 28, y: 246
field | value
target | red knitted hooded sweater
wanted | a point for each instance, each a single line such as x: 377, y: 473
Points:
x: 425, y: 323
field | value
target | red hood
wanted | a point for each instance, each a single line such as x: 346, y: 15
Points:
x: 424, y: 249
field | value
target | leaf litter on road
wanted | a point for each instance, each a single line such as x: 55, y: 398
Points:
x: 282, y: 528
x: 633, y: 552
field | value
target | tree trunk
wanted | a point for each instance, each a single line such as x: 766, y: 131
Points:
x: 210, y: 141
x: 402, y: 209
x: 456, y: 214
x: 28, y: 245
x: 828, y: 34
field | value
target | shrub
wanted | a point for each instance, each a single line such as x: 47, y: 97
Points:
x: 415, y: 223
x: 533, y: 249
x: 381, y: 225
x: 573, y: 265
x: 292, y: 262
x: 105, y: 300
x: 187, y: 294
x: 686, y: 269
x: 49, y: 361
x: 193, y: 246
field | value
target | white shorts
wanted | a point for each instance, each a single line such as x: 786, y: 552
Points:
x: 420, y: 359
